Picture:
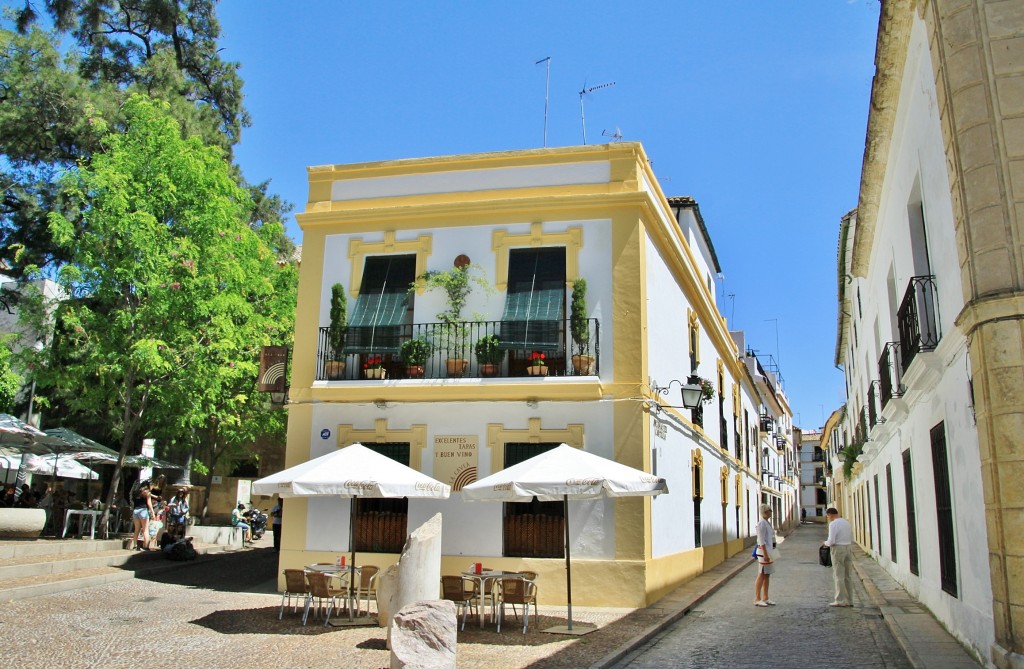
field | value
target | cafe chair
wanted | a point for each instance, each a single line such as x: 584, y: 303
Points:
x: 321, y: 593
x: 367, y: 585
x: 516, y: 590
x: 463, y: 592
x: 294, y: 586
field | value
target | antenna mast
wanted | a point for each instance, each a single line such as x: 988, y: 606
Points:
x: 547, y: 86
x: 583, y: 119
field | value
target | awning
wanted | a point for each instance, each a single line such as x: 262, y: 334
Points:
x: 533, y: 319
x: 375, y: 326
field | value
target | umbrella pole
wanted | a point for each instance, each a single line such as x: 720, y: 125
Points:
x: 568, y: 569
x: 352, y: 549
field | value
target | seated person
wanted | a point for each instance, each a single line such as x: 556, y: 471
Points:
x: 238, y: 520
x: 27, y: 500
x: 177, y: 511
x: 9, y: 497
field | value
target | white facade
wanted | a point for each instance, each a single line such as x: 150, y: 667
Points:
x: 651, y: 293
x: 896, y: 412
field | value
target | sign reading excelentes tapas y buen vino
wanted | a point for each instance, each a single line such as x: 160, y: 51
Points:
x: 455, y: 460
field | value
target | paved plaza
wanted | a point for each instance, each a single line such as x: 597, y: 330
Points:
x: 221, y: 611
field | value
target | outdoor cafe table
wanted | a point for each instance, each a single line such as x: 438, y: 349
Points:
x: 91, y: 514
x: 482, y: 579
x: 339, y: 573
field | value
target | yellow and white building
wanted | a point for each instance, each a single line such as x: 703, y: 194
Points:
x: 530, y: 223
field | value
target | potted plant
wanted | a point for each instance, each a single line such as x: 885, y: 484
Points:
x: 373, y: 367
x: 414, y: 353
x: 453, y: 335
x: 707, y: 390
x: 335, y: 365
x: 489, y: 354
x: 535, y: 364
x: 579, y: 327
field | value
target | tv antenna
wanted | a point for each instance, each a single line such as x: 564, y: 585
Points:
x: 586, y: 91
x: 616, y: 136
x: 547, y: 85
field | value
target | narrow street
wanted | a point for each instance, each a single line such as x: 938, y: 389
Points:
x: 727, y: 630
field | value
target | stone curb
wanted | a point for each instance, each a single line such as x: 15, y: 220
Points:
x: 680, y: 607
x: 878, y: 600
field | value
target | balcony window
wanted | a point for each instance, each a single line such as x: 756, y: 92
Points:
x: 918, y: 319
x: 535, y: 302
x: 382, y: 306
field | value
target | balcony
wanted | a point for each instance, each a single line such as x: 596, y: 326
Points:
x: 890, y: 373
x: 374, y: 353
x: 918, y: 319
x: 766, y: 422
x: 874, y: 406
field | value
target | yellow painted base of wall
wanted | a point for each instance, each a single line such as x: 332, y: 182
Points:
x: 605, y: 583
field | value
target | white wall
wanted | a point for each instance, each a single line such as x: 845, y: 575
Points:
x: 470, y: 528
x: 917, y: 164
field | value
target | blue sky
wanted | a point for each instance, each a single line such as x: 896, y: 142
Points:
x: 756, y: 109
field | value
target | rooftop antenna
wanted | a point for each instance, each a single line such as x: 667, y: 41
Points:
x: 616, y: 136
x: 547, y: 85
x: 585, y: 91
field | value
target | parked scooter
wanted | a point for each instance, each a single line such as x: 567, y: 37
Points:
x: 257, y: 522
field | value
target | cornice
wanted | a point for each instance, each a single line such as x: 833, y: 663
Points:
x: 894, y: 26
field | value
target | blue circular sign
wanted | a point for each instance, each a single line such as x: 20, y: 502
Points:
x: 325, y: 433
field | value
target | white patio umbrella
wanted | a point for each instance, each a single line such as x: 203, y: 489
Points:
x: 354, y: 471
x: 61, y: 465
x: 564, y: 473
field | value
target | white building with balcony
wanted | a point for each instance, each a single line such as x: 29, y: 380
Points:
x: 530, y: 223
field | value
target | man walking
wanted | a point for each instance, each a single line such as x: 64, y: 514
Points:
x: 276, y: 513
x: 840, y: 539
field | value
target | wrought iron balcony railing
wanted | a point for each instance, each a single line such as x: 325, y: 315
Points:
x: 918, y: 319
x: 874, y: 405
x: 767, y: 424
x: 518, y: 349
x: 890, y: 373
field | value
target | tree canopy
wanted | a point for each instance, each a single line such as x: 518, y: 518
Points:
x: 171, y: 292
x: 66, y: 69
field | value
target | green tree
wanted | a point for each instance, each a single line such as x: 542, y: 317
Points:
x: 171, y: 292
x: 10, y: 381
x: 60, y: 90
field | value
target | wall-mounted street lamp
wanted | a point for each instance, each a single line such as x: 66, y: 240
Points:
x: 691, y: 392
x: 273, y: 376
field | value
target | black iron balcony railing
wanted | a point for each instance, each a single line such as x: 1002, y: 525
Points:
x: 890, y: 373
x: 918, y: 319
x: 767, y: 424
x: 376, y: 353
x: 874, y: 405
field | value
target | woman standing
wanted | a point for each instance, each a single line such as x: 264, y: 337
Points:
x: 765, y: 563
x: 142, y: 511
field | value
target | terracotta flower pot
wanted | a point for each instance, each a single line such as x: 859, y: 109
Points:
x: 583, y: 365
x: 537, y: 370
x: 489, y: 370
x: 414, y: 371
x: 456, y: 367
x: 335, y: 369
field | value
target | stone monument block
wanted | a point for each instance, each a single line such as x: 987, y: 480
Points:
x: 415, y: 577
x: 424, y: 636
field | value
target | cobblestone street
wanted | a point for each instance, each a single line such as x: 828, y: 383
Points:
x: 726, y: 630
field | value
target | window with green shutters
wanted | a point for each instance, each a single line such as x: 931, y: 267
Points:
x: 382, y: 307
x: 534, y: 315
